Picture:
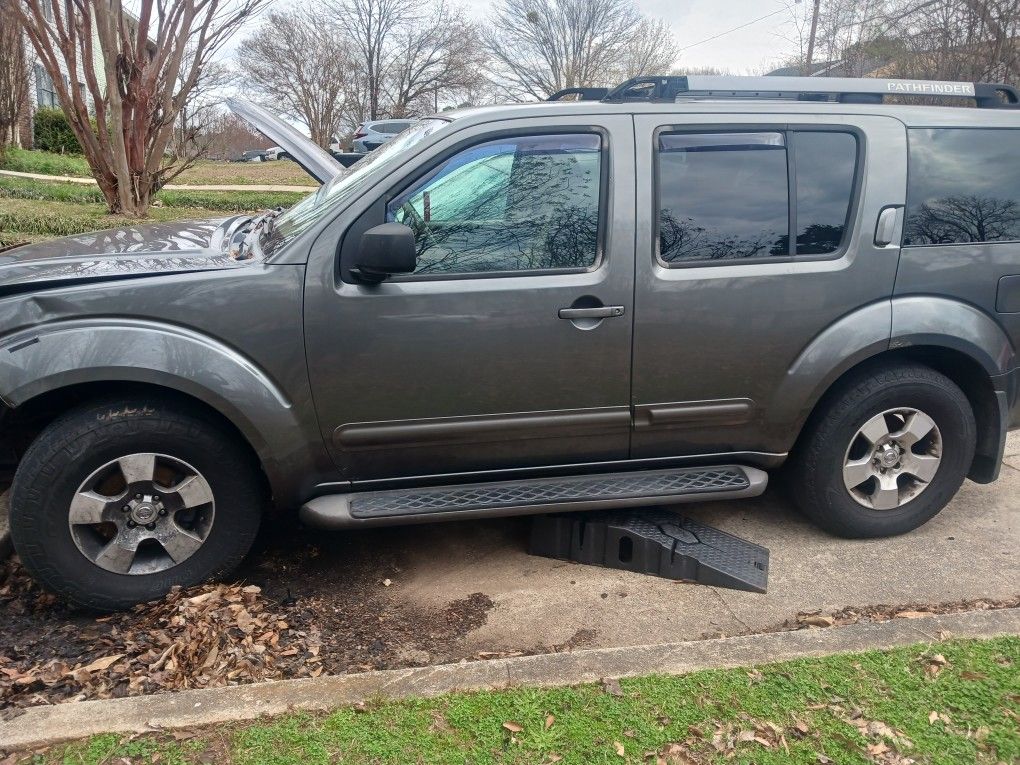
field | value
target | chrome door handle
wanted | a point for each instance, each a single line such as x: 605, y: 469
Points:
x: 599, y: 312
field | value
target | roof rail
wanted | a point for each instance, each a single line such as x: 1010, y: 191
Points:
x: 584, y: 94
x: 840, y: 89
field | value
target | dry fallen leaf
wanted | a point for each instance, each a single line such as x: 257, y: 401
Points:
x: 105, y: 663
x: 513, y: 727
x: 817, y: 620
x: 933, y: 718
x: 875, y: 749
x: 912, y: 614
x: 620, y: 750
x: 612, y: 686
x: 549, y: 720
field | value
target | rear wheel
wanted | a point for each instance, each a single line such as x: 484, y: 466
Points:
x: 117, y: 502
x: 885, y: 453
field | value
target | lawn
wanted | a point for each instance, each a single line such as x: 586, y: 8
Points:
x: 954, y: 702
x: 203, y: 172
x: 34, y: 210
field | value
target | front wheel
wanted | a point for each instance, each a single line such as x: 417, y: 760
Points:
x: 117, y: 502
x: 885, y: 453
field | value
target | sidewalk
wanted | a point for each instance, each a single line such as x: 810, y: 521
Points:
x: 169, y: 186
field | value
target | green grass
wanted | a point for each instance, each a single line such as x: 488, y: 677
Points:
x: 227, y: 201
x: 33, y: 210
x: 44, y: 162
x: 202, y: 172
x: 977, y: 691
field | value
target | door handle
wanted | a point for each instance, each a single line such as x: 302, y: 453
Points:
x: 599, y: 312
x: 890, y: 222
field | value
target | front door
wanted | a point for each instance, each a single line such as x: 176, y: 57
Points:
x: 509, y: 346
x: 754, y: 237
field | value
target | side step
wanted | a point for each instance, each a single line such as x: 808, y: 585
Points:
x: 656, y: 542
x: 533, y: 497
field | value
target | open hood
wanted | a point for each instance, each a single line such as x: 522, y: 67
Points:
x: 314, y: 160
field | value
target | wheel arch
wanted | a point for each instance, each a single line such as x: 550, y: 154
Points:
x: 46, y: 368
x: 956, y: 339
x: 965, y: 371
x: 26, y: 421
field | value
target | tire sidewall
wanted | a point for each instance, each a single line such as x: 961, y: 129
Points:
x: 950, y: 411
x: 53, y: 469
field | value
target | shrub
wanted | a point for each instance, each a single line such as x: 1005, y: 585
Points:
x: 53, y: 132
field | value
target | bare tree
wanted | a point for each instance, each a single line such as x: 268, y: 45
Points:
x: 976, y: 40
x: 189, y: 139
x: 13, y: 74
x: 149, y: 66
x: 227, y: 136
x: 443, y: 54
x: 302, y: 66
x: 650, y: 49
x: 541, y: 46
x: 371, y: 26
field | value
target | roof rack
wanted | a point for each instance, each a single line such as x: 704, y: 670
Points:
x: 863, y: 90
x: 584, y: 94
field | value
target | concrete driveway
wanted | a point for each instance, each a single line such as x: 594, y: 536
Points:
x: 969, y: 551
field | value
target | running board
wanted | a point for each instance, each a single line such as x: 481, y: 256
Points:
x: 656, y: 542
x: 533, y: 497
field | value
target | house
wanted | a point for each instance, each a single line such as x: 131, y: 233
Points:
x: 42, y: 92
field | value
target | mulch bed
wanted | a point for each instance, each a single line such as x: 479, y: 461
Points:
x: 224, y: 634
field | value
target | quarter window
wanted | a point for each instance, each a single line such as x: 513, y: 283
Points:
x: 964, y: 186
x: 513, y: 204
x: 726, y: 196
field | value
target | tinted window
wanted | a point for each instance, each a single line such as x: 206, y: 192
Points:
x: 824, y: 163
x: 725, y: 196
x: 513, y: 204
x: 722, y: 197
x: 964, y: 186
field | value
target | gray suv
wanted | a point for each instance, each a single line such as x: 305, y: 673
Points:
x: 654, y: 297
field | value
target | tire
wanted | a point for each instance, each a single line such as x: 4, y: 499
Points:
x: 834, y: 451
x: 209, y: 524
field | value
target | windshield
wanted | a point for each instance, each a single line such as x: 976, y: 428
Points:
x: 310, y: 210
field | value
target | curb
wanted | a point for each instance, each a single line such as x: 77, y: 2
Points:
x: 6, y: 548
x: 45, y: 725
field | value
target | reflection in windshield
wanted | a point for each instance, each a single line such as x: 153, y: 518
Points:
x: 314, y: 207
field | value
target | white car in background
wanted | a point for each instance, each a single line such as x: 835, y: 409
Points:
x: 276, y: 152
x: 372, y: 135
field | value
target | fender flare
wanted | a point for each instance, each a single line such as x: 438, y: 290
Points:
x: 841, y: 346
x: 64, y: 354
x: 934, y: 321
x: 899, y: 323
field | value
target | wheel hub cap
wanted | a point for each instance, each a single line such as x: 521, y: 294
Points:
x: 141, y: 514
x: 892, y: 458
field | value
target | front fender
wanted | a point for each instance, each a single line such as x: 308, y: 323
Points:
x: 53, y: 356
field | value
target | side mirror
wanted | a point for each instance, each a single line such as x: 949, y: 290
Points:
x: 385, y: 250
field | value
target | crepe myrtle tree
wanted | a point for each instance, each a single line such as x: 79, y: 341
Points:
x: 132, y: 69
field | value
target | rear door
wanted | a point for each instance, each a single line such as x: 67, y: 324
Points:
x: 725, y: 303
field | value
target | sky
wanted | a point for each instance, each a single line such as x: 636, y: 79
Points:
x: 750, y: 50
x: 745, y: 51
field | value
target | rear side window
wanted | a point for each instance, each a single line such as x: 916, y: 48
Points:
x: 963, y: 187
x: 726, y: 196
